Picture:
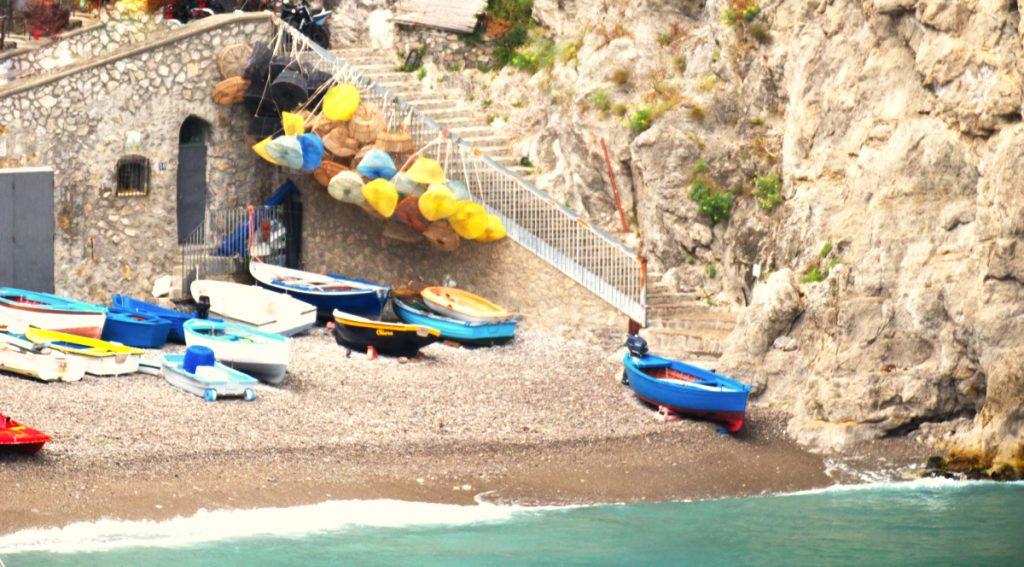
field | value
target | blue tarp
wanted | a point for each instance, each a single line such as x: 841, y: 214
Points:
x: 237, y: 243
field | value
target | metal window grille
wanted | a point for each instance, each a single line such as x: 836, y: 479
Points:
x: 132, y: 176
x: 596, y: 260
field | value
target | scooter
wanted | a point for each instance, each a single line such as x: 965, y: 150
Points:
x: 299, y: 16
x: 184, y: 11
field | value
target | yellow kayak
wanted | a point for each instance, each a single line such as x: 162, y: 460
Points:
x: 101, y: 358
x: 462, y: 305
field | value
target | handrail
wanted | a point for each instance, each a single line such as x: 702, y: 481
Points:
x: 590, y: 256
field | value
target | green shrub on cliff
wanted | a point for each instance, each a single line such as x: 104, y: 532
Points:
x: 640, y: 120
x: 600, y: 100
x: 740, y: 12
x: 713, y: 204
x: 768, y: 190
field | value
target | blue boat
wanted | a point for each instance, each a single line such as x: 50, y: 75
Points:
x: 261, y: 355
x: 413, y: 310
x: 684, y: 388
x: 135, y: 329
x: 176, y: 318
x: 328, y: 292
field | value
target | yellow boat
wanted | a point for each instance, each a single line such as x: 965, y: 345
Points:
x: 101, y: 358
x: 462, y: 305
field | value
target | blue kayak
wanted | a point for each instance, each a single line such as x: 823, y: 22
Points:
x: 175, y: 318
x: 413, y: 310
x: 135, y: 329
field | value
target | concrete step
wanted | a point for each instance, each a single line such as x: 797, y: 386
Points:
x: 658, y: 297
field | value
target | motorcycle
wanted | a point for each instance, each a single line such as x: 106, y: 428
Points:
x: 300, y: 17
x: 184, y: 11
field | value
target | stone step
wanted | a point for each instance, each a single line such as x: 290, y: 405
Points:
x: 695, y: 310
x: 656, y: 322
x: 659, y: 297
x: 678, y: 341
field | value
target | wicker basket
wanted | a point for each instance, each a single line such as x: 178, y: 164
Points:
x: 230, y: 91
x: 395, y: 142
x: 365, y: 126
x: 232, y: 60
x: 327, y: 171
x: 340, y: 144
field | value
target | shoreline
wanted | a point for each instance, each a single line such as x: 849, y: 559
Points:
x: 347, y: 428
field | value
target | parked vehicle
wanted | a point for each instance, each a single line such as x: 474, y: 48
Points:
x: 298, y: 14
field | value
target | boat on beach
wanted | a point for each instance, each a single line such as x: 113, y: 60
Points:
x: 683, y: 388
x: 19, y: 355
x: 390, y: 339
x: 413, y: 310
x: 326, y: 291
x: 261, y: 355
x: 20, y: 437
x: 463, y: 305
x: 135, y: 329
x: 197, y: 372
x: 257, y: 307
x: 101, y: 358
x: 177, y: 319
x: 52, y: 312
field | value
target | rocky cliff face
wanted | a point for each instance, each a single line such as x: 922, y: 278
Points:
x: 895, y: 126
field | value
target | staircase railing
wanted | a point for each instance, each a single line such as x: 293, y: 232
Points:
x: 594, y: 259
x: 220, y: 245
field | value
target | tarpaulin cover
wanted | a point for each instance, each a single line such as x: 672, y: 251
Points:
x: 341, y: 102
x: 469, y: 219
x: 238, y: 241
x: 377, y: 165
x: 285, y: 150
x: 426, y: 171
x: 312, y: 151
x: 347, y: 187
x: 437, y: 203
x: 494, y: 231
x: 382, y: 196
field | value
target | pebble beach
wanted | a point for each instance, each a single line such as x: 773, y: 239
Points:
x: 542, y: 420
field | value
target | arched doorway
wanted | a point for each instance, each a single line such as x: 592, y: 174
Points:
x: 191, y: 175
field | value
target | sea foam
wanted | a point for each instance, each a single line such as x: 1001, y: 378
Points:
x: 217, y: 525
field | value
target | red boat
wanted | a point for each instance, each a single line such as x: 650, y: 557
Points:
x: 20, y: 437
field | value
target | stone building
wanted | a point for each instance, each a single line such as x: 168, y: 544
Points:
x: 138, y: 151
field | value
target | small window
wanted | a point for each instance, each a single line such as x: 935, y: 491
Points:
x: 132, y: 176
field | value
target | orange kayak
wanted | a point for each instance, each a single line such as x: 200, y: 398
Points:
x: 462, y: 305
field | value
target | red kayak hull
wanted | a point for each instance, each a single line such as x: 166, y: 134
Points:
x: 20, y: 437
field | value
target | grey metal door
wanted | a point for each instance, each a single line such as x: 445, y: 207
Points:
x: 191, y: 188
x: 26, y: 228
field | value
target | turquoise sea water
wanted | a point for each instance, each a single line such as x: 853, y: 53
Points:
x: 927, y: 522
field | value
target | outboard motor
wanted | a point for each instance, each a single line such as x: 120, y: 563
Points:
x: 636, y: 346
x: 203, y: 307
x: 297, y: 14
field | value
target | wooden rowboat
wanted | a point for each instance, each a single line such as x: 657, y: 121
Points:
x: 413, y: 310
x: 463, y: 305
x: 53, y: 312
x: 683, y: 388
x: 262, y: 355
x: 100, y: 357
x: 21, y: 356
x: 257, y: 307
x: 327, y: 292
x: 390, y: 339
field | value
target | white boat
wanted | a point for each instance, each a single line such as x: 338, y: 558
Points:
x: 197, y: 372
x: 101, y: 358
x: 259, y: 354
x: 252, y: 305
x: 48, y: 311
x: 21, y: 356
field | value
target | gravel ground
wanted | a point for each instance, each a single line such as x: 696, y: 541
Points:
x: 540, y: 420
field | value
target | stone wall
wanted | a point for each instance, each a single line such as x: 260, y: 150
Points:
x: 76, y: 121
x: 341, y: 238
x: 112, y: 30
